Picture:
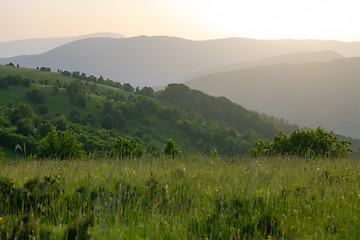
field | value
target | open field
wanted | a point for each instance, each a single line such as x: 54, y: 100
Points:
x: 185, y: 198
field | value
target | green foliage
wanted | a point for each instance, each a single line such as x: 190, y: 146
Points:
x: 217, y: 109
x: 127, y: 147
x: 75, y: 116
x: 43, y: 129
x: 127, y: 87
x: 108, y: 122
x: 14, y: 80
x: 4, y: 83
x: 2, y: 154
x: 45, y: 69
x: 56, y: 86
x: 214, y: 153
x: 198, y: 121
x: 303, y: 143
x: 11, y: 139
x: 25, y: 127
x: 43, y: 109
x: 60, y: 145
x: 76, y: 91
x: 146, y: 91
x: 170, y: 149
x: 22, y: 111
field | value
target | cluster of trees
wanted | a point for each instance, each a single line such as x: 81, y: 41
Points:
x: 14, y: 80
x: 45, y: 69
x: 97, y: 133
x: 35, y: 95
x: 146, y: 91
x: 217, y: 108
x: 91, y: 78
x: 303, y: 143
x: 77, y: 94
x: 12, y: 65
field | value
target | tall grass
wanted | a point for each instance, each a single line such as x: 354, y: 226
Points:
x: 185, y: 198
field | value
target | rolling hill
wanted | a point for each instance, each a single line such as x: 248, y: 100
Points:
x: 155, y: 61
x: 41, y: 45
x: 311, y: 94
x: 31, y: 100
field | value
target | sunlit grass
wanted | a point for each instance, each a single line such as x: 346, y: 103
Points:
x: 189, y: 198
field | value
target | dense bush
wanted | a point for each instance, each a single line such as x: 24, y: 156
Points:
x: 35, y: 96
x: 11, y: 140
x: 77, y: 92
x: 170, y: 149
x: 127, y: 147
x: 14, y: 80
x: 60, y: 145
x: 303, y: 143
x: 25, y: 127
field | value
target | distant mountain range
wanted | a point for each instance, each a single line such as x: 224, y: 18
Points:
x: 304, y: 57
x: 311, y: 94
x: 41, y: 45
x: 154, y: 61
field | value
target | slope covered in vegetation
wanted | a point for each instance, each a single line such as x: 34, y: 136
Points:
x: 99, y: 110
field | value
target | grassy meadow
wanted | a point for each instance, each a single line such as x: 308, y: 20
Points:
x: 193, y: 197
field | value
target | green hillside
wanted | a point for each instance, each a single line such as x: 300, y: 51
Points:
x: 310, y: 94
x: 100, y: 110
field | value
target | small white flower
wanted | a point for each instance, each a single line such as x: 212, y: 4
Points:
x: 318, y: 169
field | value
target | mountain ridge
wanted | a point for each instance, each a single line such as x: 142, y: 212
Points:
x: 33, y: 46
x: 302, y: 57
x: 159, y: 60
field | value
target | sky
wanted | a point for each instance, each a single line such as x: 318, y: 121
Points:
x: 191, y: 19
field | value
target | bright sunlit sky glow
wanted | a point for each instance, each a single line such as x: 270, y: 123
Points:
x: 191, y: 19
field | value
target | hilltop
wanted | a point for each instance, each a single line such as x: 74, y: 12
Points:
x: 41, y: 45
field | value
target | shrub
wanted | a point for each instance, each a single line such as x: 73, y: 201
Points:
x: 25, y: 127
x: 127, y: 147
x: 170, y: 149
x: 303, y: 143
x: 60, y: 144
x: 35, y: 96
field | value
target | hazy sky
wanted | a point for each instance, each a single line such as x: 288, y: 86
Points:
x: 192, y: 19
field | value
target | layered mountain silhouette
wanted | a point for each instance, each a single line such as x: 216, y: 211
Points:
x: 310, y: 94
x: 41, y: 45
x: 154, y: 61
x: 304, y: 57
